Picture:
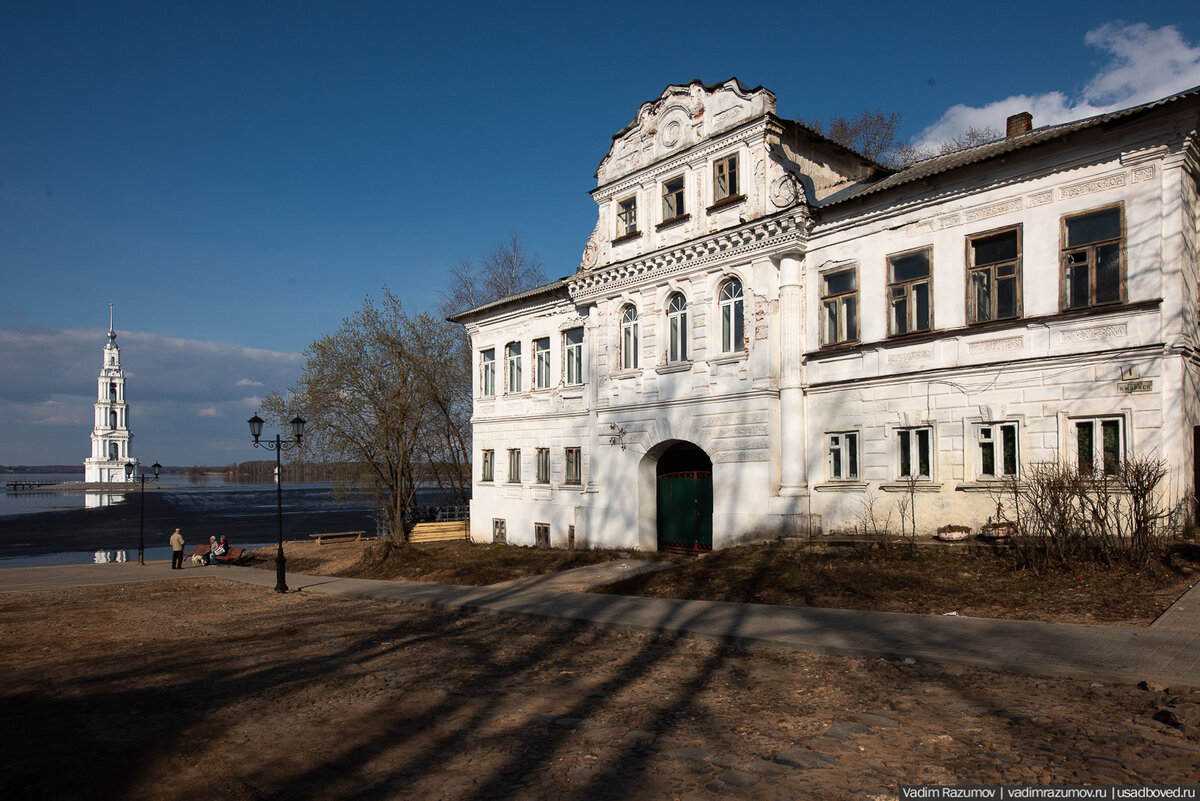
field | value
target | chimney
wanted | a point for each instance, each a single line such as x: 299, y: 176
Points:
x: 1019, y: 124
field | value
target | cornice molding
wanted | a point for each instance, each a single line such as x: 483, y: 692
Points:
x: 785, y: 233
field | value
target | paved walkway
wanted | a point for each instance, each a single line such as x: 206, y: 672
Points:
x: 1167, y: 652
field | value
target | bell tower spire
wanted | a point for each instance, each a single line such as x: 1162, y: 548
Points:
x: 110, y: 432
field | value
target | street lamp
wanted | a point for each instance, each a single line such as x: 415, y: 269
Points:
x: 256, y: 424
x: 142, y: 524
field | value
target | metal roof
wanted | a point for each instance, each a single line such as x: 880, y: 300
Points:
x: 544, y: 289
x: 962, y: 158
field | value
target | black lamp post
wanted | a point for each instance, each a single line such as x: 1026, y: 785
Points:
x: 256, y: 424
x: 142, y: 523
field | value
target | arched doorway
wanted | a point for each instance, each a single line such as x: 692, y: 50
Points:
x: 684, y: 499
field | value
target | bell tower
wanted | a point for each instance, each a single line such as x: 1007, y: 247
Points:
x: 110, y: 431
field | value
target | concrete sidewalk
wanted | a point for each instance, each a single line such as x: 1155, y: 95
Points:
x: 1167, y: 652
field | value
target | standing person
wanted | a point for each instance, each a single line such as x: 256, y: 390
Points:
x: 177, y: 544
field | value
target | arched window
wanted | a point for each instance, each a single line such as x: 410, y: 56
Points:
x: 629, y: 339
x: 677, y: 322
x: 732, y: 318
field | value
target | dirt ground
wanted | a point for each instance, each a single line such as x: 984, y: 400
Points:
x: 207, y: 689
x: 929, y: 580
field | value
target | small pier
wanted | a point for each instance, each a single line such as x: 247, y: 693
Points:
x: 20, y: 486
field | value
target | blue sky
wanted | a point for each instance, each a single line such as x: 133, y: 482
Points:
x: 235, y: 177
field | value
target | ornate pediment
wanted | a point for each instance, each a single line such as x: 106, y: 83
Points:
x: 681, y: 117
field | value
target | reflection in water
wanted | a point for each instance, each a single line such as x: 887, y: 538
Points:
x: 97, y: 500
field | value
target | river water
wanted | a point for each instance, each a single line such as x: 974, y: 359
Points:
x: 63, y: 527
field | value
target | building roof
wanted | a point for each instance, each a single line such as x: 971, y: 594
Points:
x: 545, y: 289
x: 962, y: 158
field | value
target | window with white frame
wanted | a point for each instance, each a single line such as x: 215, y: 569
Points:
x: 512, y: 355
x: 542, y: 468
x: 487, y: 372
x: 1093, y: 265
x: 488, y: 466
x: 514, y: 465
x: 1098, y: 444
x: 627, y: 216
x: 839, y: 306
x: 725, y: 178
x: 914, y: 452
x: 677, y: 325
x: 730, y: 306
x: 996, y: 454
x: 909, y: 294
x: 629, y: 339
x: 842, y: 462
x: 994, y: 276
x: 573, y: 346
x: 574, y: 468
x: 541, y: 363
x: 672, y: 199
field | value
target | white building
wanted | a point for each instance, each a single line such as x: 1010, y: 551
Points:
x: 766, y: 328
x: 110, y: 428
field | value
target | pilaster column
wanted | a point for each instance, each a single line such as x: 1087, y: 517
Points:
x: 793, y: 454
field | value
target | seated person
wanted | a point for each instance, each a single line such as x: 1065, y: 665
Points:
x: 221, y: 549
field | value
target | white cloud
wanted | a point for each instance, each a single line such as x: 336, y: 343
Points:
x: 246, y: 382
x: 1144, y: 64
x: 206, y: 411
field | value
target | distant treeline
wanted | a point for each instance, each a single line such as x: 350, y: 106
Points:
x: 42, y: 468
x: 264, y: 470
x: 312, y: 471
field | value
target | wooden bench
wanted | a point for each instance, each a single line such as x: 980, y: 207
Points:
x: 440, y: 532
x: 230, y: 557
x: 348, y: 536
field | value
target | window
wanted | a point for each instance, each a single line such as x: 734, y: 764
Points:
x: 512, y: 353
x: 672, y: 199
x: 627, y: 216
x: 1099, y: 444
x: 843, y: 456
x: 541, y: 535
x: 994, y: 276
x: 629, y: 339
x: 996, y: 450
x: 908, y: 292
x: 725, y: 179
x: 487, y: 372
x: 1092, y: 263
x: 489, y: 466
x: 499, y: 530
x: 574, y: 474
x: 677, y: 322
x: 514, y: 465
x: 543, y: 465
x: 732, y: 324
x: 913, y: 452
x: 541, y: 363
x: 573, y: 344
x: 839, y: 306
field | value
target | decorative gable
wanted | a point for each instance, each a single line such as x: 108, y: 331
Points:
x: 680, y: 118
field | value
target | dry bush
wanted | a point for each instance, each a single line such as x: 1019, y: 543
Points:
x: 1064, y: 518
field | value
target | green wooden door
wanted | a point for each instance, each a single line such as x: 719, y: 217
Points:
x: 685, y: 503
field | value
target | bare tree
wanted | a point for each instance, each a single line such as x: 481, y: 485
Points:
x: 508, y: 268
x: 873, y: 134
x: 376, y: 404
